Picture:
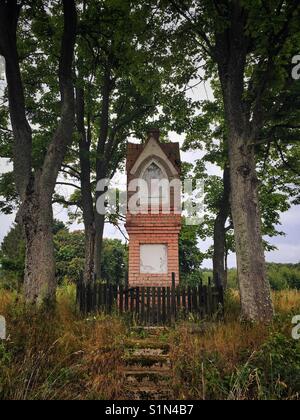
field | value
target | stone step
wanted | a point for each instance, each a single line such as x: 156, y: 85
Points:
x: 141, y: 344
x: 147, y: 352
x: 151, y: 330
x: 155, y: 376
x: 149, y: 393
x: 147, y: 360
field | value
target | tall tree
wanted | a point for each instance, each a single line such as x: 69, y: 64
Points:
x: 124, y: 73
x: 251, y: 69
x: 35, y: 186
x: 277, y: 164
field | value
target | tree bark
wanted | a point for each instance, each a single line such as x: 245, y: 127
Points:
x: 86, y: 189
x: 36, y: 189
x: 37, y: 219
x: 9, y: 15
x: 99, y: 223
x: 219, y: 268
x: 254, y: 287
x: 102, y: 164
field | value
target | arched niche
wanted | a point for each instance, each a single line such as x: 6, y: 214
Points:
x: 157, y: 179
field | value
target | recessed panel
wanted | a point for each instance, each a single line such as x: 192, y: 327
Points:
x: 154, y: 259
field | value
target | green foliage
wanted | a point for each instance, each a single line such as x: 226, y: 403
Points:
x: 12, y: 258
x: 190, y: 257
x: 284, y: 276
x: 280, y: 276
x: 114, y: 261
x: 69, y: 256
x: 8, y: 191
x: 278, y: 367
x: 69, y: 253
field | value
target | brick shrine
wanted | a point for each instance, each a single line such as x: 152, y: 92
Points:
x: 154, y: 235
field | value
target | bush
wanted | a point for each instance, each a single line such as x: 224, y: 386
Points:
x: 278, y: 366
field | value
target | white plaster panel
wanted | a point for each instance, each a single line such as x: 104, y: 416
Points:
x: 154, y: 259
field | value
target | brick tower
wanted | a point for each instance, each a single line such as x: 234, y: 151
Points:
x: 154, y: 231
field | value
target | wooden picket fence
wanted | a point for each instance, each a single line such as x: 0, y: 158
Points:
x: 151, y: 305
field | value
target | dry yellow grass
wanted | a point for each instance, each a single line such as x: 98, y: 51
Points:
x: 286, y: 301
x: 228, y: 340
x: 6, y: 299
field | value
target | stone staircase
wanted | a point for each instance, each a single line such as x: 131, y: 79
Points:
x: 148, y: 370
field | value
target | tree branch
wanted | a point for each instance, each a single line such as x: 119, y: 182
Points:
x: 64, y: 133
x: 184, y: 12
x: 71, y: 169
x: 69, y: 184
x: 64, y: 171
x: 9, y: 17
x: 285, y: 162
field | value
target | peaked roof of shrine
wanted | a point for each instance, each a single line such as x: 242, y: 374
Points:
x: 170, y: 150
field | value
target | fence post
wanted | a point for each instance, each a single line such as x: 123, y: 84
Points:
x: 173, y: 299
x: 142, y: 306
x: 148, y: 316
x: 137, y: 306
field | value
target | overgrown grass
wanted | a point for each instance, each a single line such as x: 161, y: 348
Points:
x: 61, y: 355
x: 239, y: 361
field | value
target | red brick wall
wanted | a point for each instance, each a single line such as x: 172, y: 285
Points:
x: 153, y: 229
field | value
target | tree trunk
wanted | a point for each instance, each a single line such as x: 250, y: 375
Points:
x: 86, y: 189
x: 37, y: 219
x: 253, y: 284
x: 89, y: 266
x: 219, y: 269
x: 99, y: 223
x: 36, y: 189
x: 102, y: 163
